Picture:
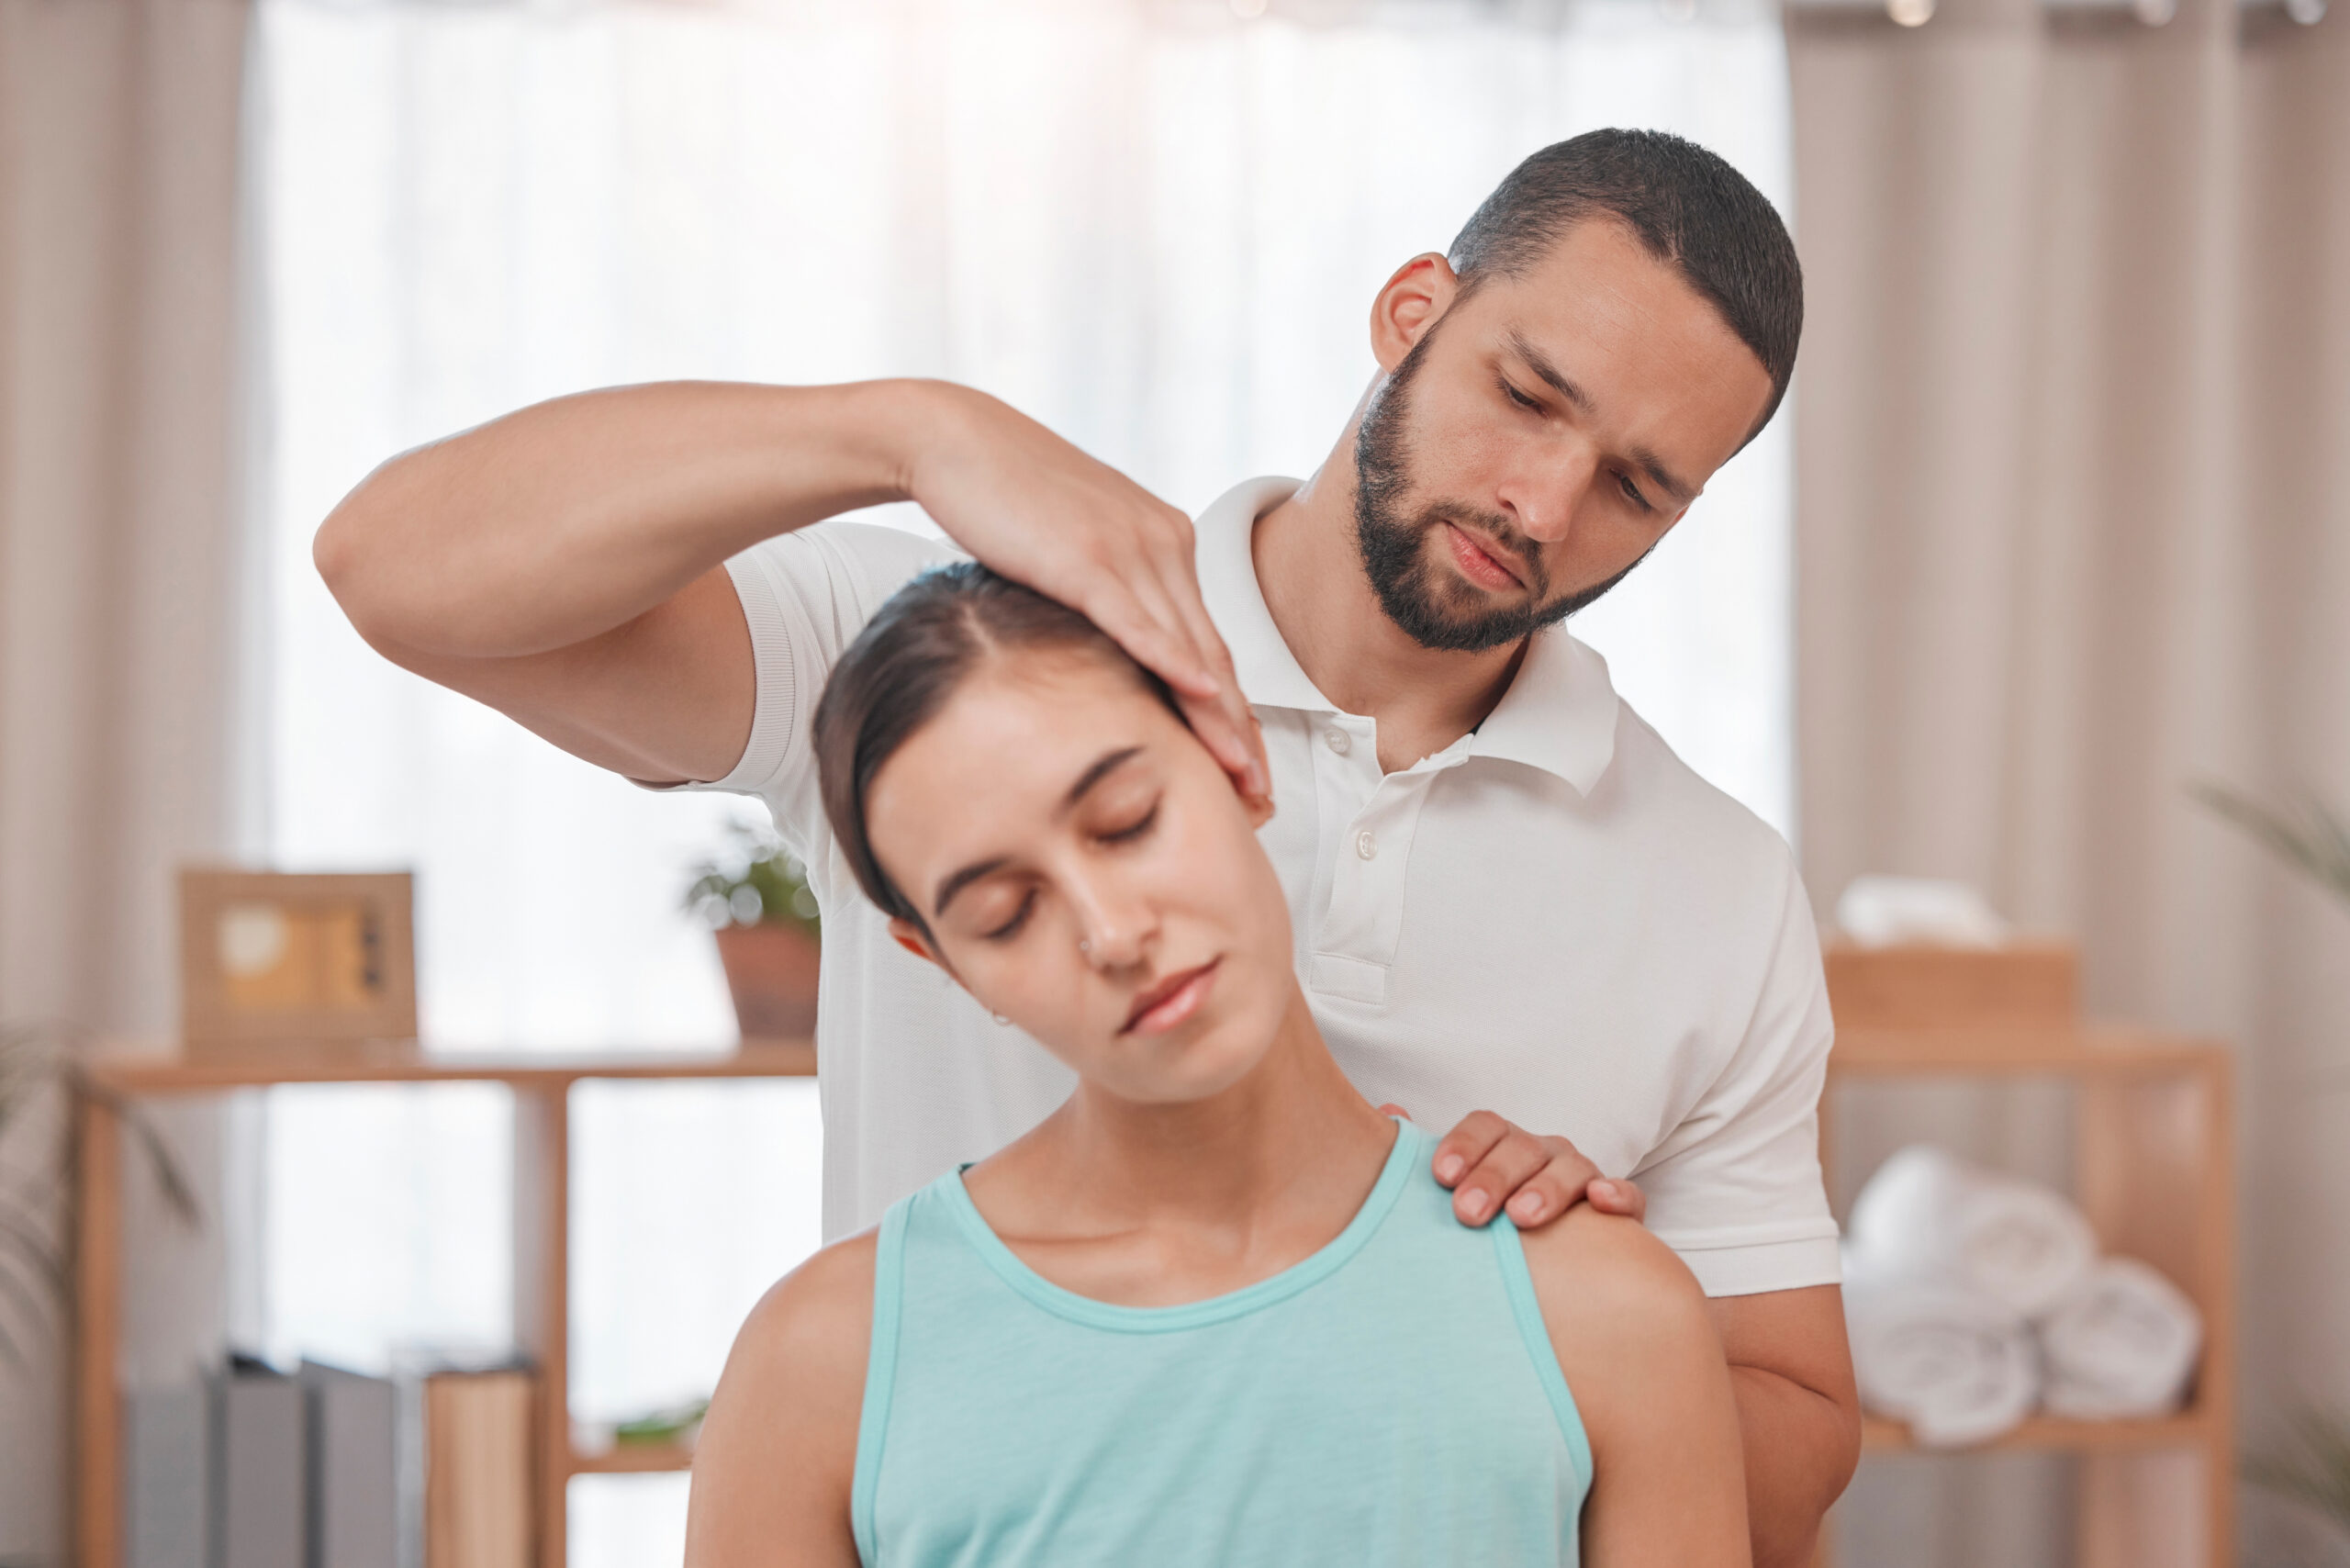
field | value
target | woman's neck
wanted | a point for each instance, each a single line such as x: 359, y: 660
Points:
x: 1155, y: 1203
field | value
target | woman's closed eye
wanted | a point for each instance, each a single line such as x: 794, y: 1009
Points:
x: 1131, y: 831
x: 1019, y: 917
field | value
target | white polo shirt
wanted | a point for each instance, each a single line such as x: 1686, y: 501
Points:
x: 1553, y: 918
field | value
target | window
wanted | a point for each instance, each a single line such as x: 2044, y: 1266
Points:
x: 1155, y: 226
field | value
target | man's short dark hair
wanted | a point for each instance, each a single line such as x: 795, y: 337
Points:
x: 1687, y: 206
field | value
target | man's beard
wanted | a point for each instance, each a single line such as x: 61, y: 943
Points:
x: 1434, y: 612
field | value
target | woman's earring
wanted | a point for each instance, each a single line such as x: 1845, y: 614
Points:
x: 1085, y: 947
x: 1000, y: 1019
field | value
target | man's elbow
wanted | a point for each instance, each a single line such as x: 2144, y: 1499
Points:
x: 348, y: 552
x: 1816, y: 1443
x: 383, y: 578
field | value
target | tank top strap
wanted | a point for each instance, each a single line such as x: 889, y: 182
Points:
x: 1517, y: 1284
x: 880, y: 1372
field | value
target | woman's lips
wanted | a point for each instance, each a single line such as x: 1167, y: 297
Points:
x: 1171, y: 1001
x: 1476, y: 563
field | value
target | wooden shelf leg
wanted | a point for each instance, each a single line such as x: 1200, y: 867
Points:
x: 97, y: 1402
x: 2145, y: 1510
x: 2157, y: 1180
x: 542, y: 1292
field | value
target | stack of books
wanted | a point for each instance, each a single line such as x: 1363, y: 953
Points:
x: 325, y: 1468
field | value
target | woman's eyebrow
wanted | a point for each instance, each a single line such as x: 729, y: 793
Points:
x: 956, y: 881
x: 1103, y: 766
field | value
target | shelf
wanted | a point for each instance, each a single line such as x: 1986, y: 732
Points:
x: 2051, y: 1433
x: 404, y: 1062
x: 541, y: 1230
x: 2152, y: 1158
x: 2018, y: 1050
x: 634, y: 1458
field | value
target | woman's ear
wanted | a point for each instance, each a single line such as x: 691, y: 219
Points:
x: 1421, y: 290
x: 908, y: 936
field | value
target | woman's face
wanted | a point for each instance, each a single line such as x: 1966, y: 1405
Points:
x: 1088, y: 872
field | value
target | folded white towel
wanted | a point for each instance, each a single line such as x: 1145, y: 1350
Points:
x: 1929, y: 1215
x: 2122, y: 1343
x: 1955, y: 1364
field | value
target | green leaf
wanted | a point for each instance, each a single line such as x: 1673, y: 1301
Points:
x: 2311, y: 1465
x: 2313, y: 841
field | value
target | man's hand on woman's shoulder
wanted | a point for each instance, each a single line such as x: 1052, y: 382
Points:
x: 1493, y: 1164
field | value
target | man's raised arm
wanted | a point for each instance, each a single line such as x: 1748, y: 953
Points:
x: 564, y: 563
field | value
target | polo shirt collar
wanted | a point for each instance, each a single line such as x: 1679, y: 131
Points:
x: 1558, y: 714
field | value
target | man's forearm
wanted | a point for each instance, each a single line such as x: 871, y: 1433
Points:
x: 570, y: 518
x: 1801, y: 1446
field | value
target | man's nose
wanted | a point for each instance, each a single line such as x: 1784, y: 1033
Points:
x: 1545, y: 497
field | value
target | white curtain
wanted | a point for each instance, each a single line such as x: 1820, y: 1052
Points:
x: 119, y: 527
x: 1157, y: 227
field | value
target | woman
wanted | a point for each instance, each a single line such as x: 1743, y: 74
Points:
x: 1214, y: 1310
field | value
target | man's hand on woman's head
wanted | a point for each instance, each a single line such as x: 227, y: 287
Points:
x: 1491, y: 1164
x: 1029, y: 505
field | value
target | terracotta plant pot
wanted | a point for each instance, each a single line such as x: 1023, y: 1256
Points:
x: 771, y: 969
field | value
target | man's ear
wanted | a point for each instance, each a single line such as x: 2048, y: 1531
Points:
x: 908, y: 936
x: 1422, y: 289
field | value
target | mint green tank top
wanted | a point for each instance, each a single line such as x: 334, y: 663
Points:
x: 1391, y: 1400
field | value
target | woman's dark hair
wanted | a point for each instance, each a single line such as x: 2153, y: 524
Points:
x: 912, y: 656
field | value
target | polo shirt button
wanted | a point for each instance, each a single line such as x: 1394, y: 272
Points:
x: 1365, y: 845
x: 1339, y: 741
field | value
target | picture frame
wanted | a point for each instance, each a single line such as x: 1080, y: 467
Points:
x: 274, y: 959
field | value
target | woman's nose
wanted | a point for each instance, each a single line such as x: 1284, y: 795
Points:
x: 1111, y: 930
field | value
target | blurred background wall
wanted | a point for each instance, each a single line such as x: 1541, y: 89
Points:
x: 2072, y: 535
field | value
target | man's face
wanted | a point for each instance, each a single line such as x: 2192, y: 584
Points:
x: 1540, y: 437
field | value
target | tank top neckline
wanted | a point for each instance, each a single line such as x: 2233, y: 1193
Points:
x: 1409, y: 1146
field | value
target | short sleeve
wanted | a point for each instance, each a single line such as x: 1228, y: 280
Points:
x: 805, y: 596
x: 1736, y: 1190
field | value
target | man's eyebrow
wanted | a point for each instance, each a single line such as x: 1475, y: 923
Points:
x: 955, y: 882
x: 1653, y: 467
x: 1539, y: 363
x: 1560, y: 382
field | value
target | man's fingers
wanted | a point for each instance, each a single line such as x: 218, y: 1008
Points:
x: 1550, y: 1166
x: 1467, y: 1144
x: 1552, y: 1191
x: 1153, y: 644
x: 1212, y: 722
x: 1613, y: 1194
x: 1238, y: 741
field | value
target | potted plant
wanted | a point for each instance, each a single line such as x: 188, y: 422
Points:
x: 42, y: 1082
x: 754, y: 894
x: 2311, y: 1463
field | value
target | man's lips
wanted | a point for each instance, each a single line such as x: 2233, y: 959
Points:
x: 1478, y: 564
x: 1171, y: 1001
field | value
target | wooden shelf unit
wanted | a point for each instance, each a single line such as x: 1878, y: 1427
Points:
x: 2155, y: 1173
x: 541, y: 1087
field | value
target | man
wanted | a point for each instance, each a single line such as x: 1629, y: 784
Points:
x: 1509, y: 895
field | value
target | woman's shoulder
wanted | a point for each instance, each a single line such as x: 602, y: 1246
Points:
x: 1621, y: 1308
x: 777, y: 1452
x: 816, y: 1315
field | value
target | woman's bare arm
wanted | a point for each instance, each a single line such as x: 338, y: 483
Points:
x: 778, y: 1453
x: 1645, y: 1365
